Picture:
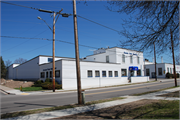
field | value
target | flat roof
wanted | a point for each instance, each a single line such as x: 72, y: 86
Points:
x: 113, y: 48
x: 80, y: 61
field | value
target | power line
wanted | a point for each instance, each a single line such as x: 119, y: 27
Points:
x: 19, y: 5
x: 23, y: 42
x: 69, y: 14
x: 98, y: 24
x: 29, y: 51
x: 59, y: 41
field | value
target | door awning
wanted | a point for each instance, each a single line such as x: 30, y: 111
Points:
x: 133, y: 68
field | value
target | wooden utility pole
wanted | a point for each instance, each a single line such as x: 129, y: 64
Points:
x: 155, y: 62
x: 77, y: 54
x: 172, y: 44
x: 54, y: 15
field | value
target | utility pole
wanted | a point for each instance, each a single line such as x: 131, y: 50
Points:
x: 155, y: 62
x: 54, y: 51
x: 172, y: 44
x: 54, y: 21
x: 77, y: 54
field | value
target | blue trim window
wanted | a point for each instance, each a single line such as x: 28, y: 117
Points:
x: 110, y: 74
x: 50, y: 60
x: 90, y: 73
x: 116, y: 73
x: 103, y: 73
x: 97, y: 74
x: 123, y: 72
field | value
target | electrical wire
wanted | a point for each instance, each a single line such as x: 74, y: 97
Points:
x: 19, y: 5
x: 23, y: 42
x: 62, y: 42
x: 29, y: 51
x: 70, y: 14
x: 98, y: 24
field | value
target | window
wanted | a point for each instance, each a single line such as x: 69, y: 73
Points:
x: 107, y: 59
x: 168, y: 70
x: 147, y: 72
x: 104, y: 73
x: 131, y: 59
x: 42, y: 75
x: 159, y: 71
x: 116, y: 73
x: 89, y: 73
x: 123, y: 72
x: 139, y: 72
x: 46, y: 74
x: 97, y: 73
x: 123, y: 58
x: 137, y: 60
x: 57, y: 73
x: 110, y: 73
x: 50, y: 74
x: 50, y: 60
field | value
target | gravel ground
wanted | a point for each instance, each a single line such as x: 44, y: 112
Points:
x: 16, y: 84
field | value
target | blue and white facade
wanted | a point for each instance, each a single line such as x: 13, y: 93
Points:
x: 127, y: 58
x: 110, y: 66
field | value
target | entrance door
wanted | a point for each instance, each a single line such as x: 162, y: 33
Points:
x: 153, y: 74
x: 131, y: 73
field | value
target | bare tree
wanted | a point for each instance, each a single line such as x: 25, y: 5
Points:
x: 8, y: 63
x: 152, y: 22
x: 20, y: 60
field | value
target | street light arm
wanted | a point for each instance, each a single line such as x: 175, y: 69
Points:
x: 47, y: 25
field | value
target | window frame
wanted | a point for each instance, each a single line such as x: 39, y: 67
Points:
x: 123, y: 58
x: 111, y: 73
x: 97, y: 71
x: 131, y: 59
x: 138, y: 60
x: 47, y: 74
x: 50, y: 74
x: 42, y: 74
x: 149, y: 72
x: 122, y: 70
x: 107, y: 59
x: 160, y: 72
x: 103, y: 74
x: 89, y: 75
x: 116, y: 75
x: 58, y: 75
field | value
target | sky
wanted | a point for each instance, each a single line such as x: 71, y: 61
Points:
x: 18, y: 22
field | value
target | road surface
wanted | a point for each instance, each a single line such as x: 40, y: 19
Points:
x: 12, y: 103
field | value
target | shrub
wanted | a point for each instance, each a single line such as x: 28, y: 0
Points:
x: 49, y: 86
x: 48, y: 80
x: 168, y: 75
x: 177, y: 75
x: 37, y: 83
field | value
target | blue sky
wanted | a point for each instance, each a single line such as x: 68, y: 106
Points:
x: 22, y: 22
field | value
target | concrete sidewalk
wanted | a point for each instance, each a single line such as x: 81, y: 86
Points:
x: 12, y: 91
x: 71, y: 111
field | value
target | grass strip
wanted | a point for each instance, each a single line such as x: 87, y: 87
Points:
x: 153, y: 91
x: 30, y: 88
x: 164, y: 109
x: 23, y: 113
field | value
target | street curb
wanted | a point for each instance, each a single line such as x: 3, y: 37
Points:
x: 7, y: 92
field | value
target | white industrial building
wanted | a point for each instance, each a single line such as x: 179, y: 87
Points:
x: 161, y: 69
x: 110, y: 66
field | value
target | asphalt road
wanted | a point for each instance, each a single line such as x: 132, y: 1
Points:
x: 12, y: 103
